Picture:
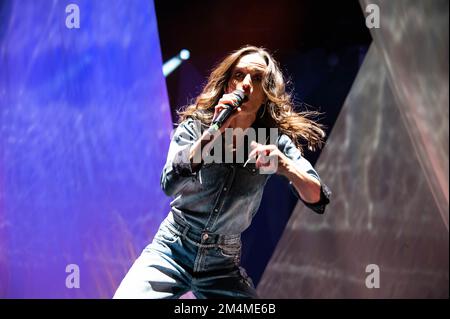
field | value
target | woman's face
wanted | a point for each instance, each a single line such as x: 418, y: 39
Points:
x: 247, y: 75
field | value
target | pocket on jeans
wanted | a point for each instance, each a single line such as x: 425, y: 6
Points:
x: 230, y: 250
x: 167, y: 235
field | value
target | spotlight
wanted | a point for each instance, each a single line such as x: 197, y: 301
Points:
x: 184, y: 54
x: 173, y: 63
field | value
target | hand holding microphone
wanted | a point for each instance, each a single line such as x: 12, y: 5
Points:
x: 228, y: 104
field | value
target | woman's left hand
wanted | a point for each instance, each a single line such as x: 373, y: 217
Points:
x: 269, y: 158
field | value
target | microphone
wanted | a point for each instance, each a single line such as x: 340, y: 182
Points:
x: 226, y: 113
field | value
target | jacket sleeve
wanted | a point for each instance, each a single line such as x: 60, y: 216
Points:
x: 177, y: 171
x: 287, y: 146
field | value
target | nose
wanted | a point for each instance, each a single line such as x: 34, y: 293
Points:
x: 247, y: 84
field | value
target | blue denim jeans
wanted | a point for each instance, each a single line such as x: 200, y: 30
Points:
x: 182, y: 258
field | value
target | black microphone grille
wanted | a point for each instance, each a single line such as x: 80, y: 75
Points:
x: 241, y: 95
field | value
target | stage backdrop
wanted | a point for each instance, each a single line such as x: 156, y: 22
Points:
x: 84, y: 130
x: 387, y: 162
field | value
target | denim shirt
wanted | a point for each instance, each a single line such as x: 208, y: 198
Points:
x: 222, y: 198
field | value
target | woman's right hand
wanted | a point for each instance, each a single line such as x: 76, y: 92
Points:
x: 222, y: 105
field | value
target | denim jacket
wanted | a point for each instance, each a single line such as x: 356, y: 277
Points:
x: 222, y: 198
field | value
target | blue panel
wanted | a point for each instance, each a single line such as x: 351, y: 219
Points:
x: 85, y: 124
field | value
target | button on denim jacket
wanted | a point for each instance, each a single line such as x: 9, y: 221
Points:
x: 222, y: 198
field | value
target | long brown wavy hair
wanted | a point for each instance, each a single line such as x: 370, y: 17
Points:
x: 278, y: 111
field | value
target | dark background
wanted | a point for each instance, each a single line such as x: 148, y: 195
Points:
x: 320, y: 46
